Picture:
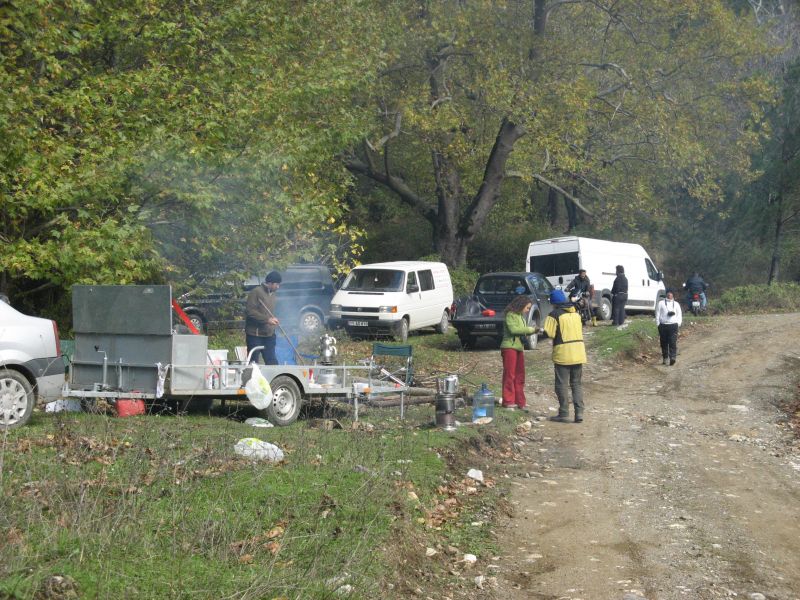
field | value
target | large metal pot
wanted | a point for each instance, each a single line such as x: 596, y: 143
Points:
x: 447, y: 385
x: 327, y: 377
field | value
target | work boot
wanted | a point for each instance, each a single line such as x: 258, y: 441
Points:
x: 664, y: 360
x: 671, y: 361
x: 578, y: 417
x: 560, y: 419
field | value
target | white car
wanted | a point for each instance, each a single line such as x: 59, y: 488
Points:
x: 31, y: 367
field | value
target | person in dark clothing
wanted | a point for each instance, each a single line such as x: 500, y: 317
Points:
x: 579, y: 286
x: 260, y: 320
x: 619, y: 296
x: 696, y: 284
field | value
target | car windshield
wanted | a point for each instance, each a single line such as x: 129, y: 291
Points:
x: 373, y: 280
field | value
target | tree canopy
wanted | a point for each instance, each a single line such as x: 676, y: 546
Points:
x: 146, y: 138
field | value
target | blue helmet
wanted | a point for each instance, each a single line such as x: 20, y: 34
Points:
x: 558, y: 297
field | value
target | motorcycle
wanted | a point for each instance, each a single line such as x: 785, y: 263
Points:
x: 581, y: 303
x: 695, y: 303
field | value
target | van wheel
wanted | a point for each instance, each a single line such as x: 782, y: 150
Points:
x: 16, y: 399
x: 286, y: 402
x: 603, y: 311
x: 444, y: 323
x: 401, y: 335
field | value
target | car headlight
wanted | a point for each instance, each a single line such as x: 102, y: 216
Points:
x: 387, y: 309
x: 336, y: 308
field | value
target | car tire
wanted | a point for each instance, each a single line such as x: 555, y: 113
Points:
x: 444, y: 323
x: 287, y: 400
x: 198, y: 321
x: 310, y: 322
x: 16, y: 399
x: 401, y: 334
x: 603, y: 311
x: 529, y: 342
x: 467, y: 341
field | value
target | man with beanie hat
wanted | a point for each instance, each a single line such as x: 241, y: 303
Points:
x: 619, y: 296
x: 260, y: 320
x: 563, y: 326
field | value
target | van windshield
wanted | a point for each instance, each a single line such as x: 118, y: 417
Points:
x: 551, y: 265
x: 374, y: 280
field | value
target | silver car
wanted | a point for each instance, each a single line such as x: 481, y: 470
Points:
x: 31, y: 367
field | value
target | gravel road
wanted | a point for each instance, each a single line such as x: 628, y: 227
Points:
x: 683, y: 481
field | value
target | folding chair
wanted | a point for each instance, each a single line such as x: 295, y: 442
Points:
x: 403, y: 372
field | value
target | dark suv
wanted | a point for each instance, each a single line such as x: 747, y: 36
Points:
x: 304, y: 301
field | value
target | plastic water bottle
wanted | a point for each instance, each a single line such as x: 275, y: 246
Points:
x: 482, y: 403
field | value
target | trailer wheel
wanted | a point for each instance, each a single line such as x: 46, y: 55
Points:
x: 16, y: 399
x: 286, y: 402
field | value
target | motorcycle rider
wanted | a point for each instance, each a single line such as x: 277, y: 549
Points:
x: 696, y: 285
x: 579, y: 286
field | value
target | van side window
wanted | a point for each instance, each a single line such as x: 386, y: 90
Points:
x: 425, y: 280
x: 551, y: 265
x: 412, y: 279
x: 652, y: 272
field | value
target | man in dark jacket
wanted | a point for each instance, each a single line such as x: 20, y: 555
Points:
x: 696, y: 284
x: 260, y: 320
x: 619, y: 296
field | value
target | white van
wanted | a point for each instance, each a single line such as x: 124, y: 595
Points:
x: 393, y: 298
x: 559, y: 259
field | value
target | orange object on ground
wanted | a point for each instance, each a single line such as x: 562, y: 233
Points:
x: 129, y: 407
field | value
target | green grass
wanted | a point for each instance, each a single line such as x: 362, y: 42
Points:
x: 607, y: 341
x: 161, y: 507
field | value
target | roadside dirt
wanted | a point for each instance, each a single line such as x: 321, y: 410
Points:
x: 683, y: 481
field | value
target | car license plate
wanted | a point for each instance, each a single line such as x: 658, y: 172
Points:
x: 695, y: 303
x: 358, y: 324
x: 484, y: 326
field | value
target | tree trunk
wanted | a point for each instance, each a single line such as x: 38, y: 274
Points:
x: 774, y: 264
x: 552, y: 206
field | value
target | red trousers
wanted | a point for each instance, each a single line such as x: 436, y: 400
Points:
x: 513, y: 377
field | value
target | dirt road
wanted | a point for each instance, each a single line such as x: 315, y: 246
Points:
x: 683, y: 481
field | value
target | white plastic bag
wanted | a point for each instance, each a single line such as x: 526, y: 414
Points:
x: 256, y: 448
x: 258, y: 389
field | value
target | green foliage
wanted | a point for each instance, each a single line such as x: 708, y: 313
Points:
x: 778, y: 297
x: 160, y: 140
x: 620, y: 109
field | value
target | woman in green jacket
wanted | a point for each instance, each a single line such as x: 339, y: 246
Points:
x: 511, y: 350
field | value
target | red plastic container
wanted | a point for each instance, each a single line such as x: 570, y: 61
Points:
x: 129, y: 407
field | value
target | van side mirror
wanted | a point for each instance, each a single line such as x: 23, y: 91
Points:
x: 412, y: 288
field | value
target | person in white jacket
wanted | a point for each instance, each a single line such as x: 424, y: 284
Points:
x: 668, y: 319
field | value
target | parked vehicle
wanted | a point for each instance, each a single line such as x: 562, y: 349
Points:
x: 581, y: 302
x: 694, y: 303
x: 481, y: 314
x: 31, y: 367
x: 304, y: 300
x: 393, y: 298
x: 559, y: 259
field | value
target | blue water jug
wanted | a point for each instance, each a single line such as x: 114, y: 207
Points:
x: 482, y: 403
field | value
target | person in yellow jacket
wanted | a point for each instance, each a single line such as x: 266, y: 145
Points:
x: 511, y: 349
x: 563, y: 326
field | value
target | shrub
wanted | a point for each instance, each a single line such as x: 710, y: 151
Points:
x: 758, y: 298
